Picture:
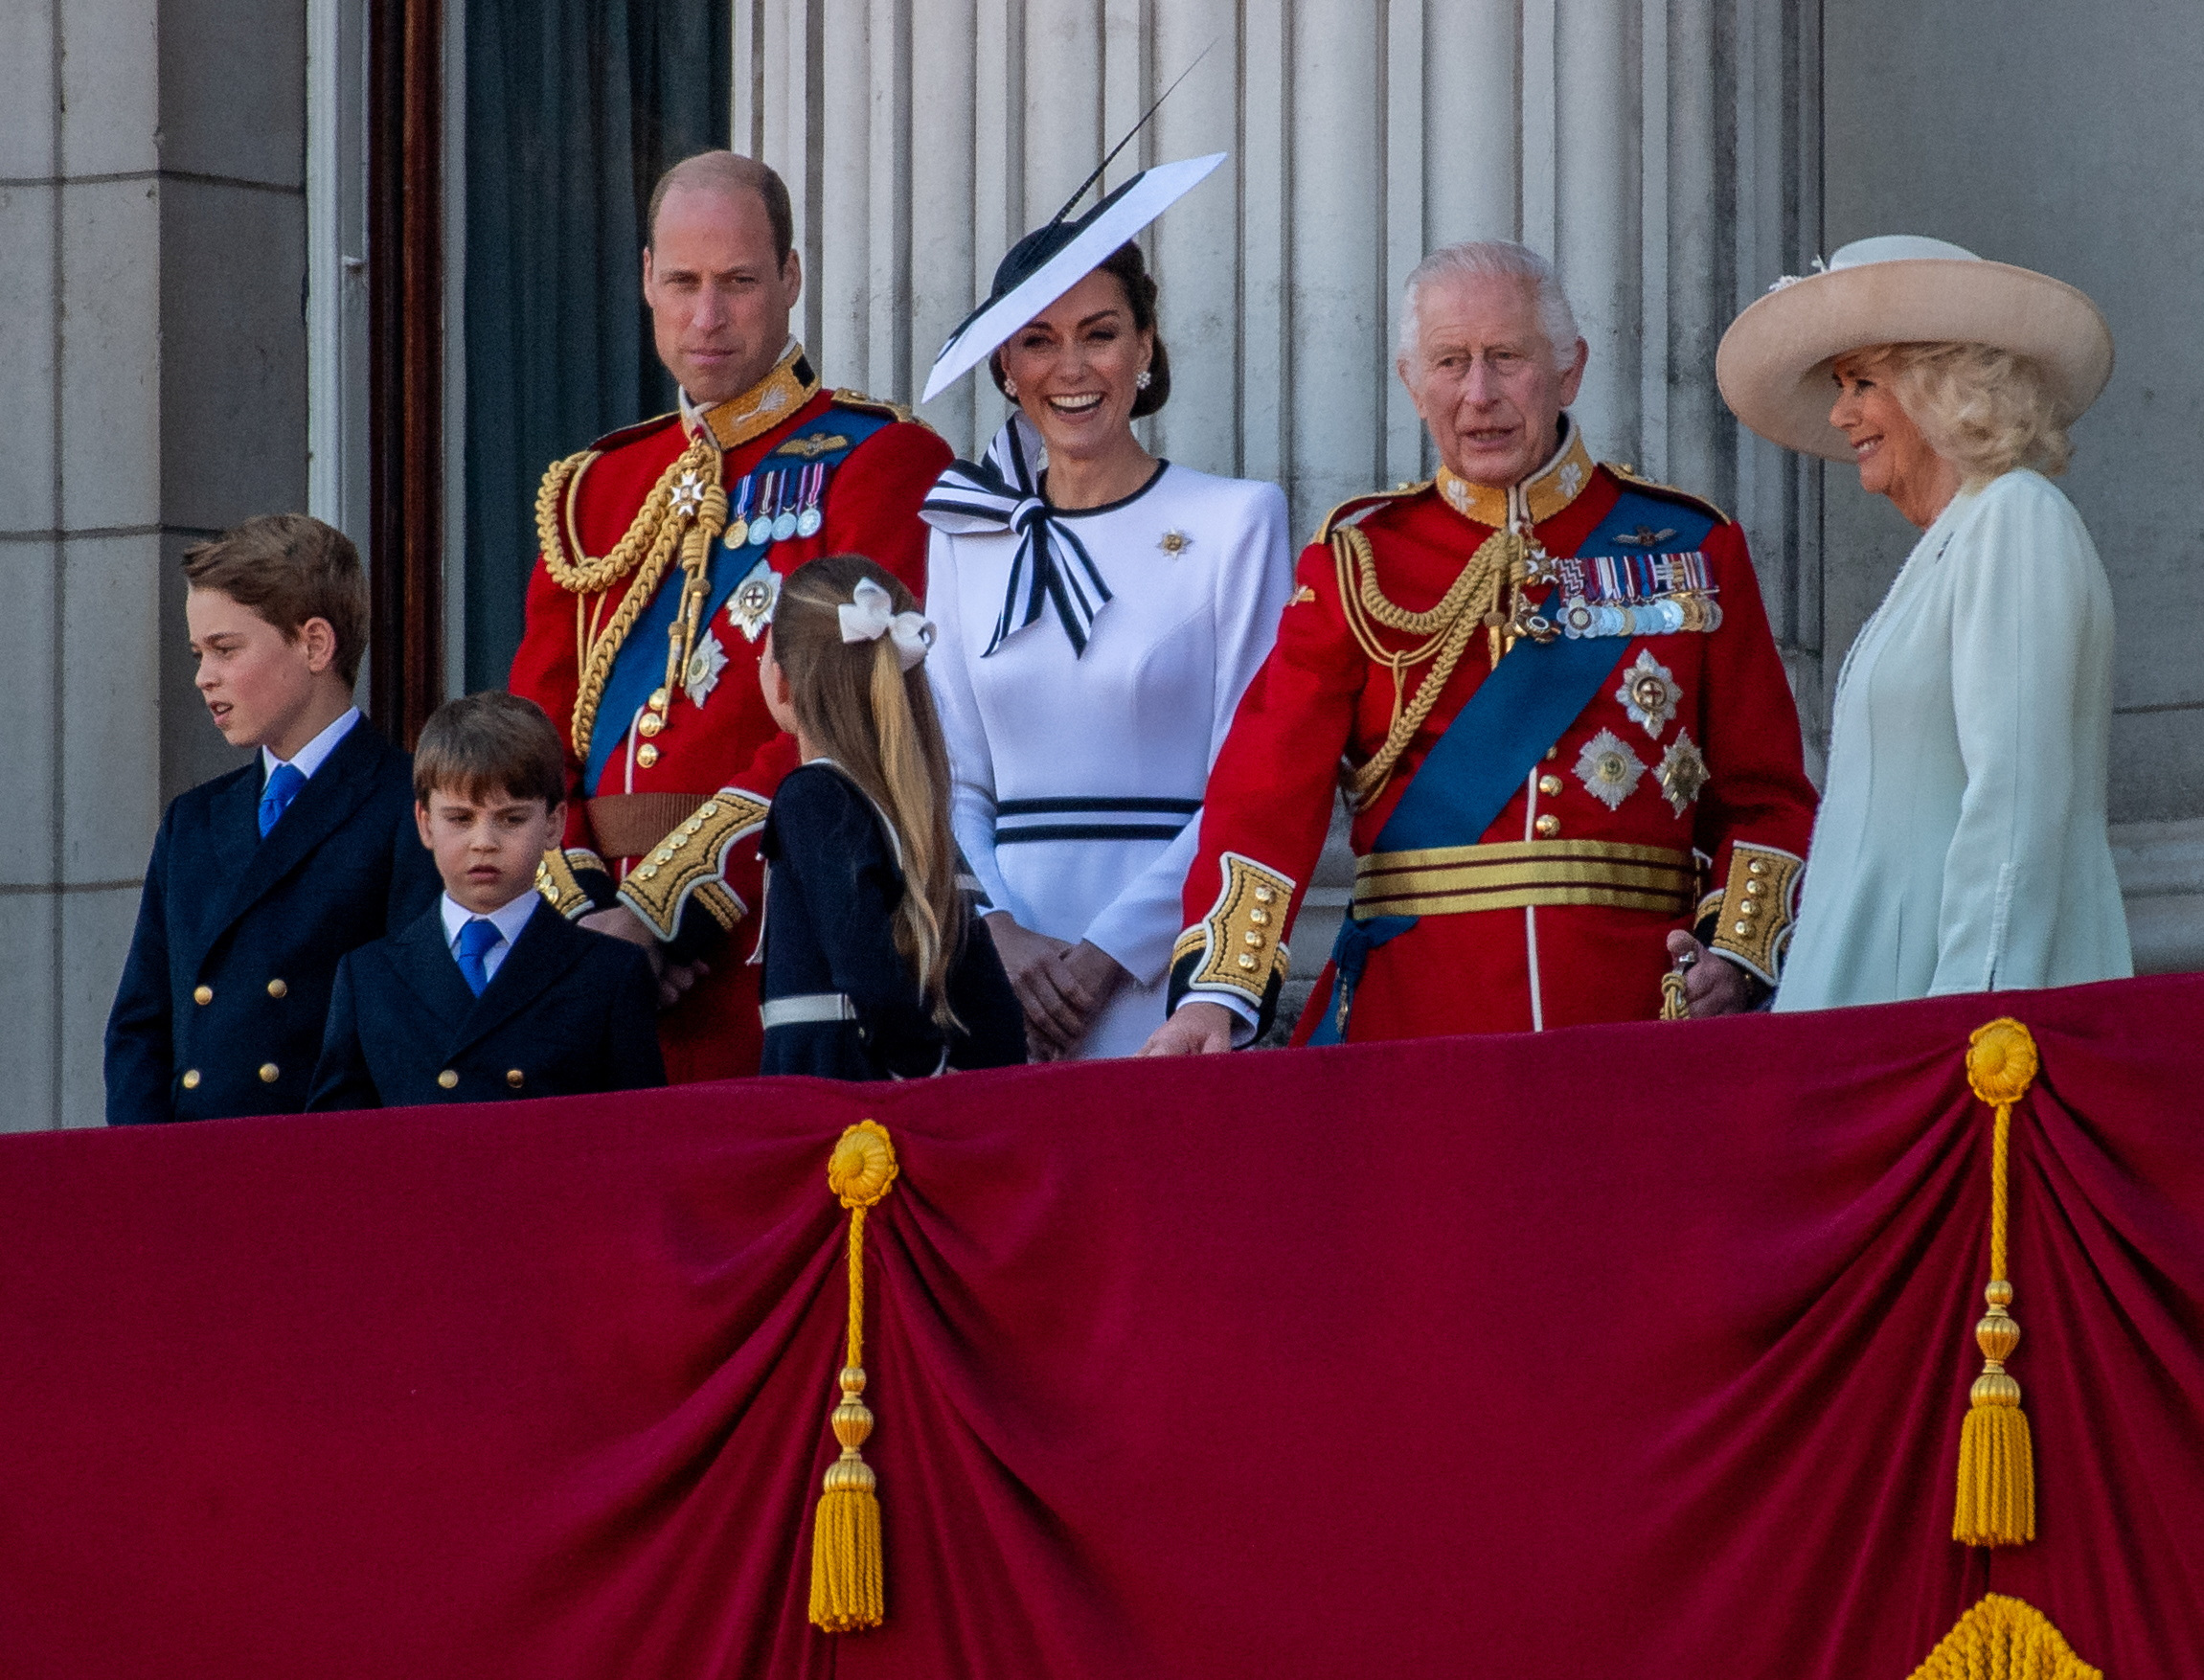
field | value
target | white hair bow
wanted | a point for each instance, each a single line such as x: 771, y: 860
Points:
x: 871, y: 614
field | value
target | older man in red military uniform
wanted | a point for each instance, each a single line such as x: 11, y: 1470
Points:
x: 663, y: 547
x: 1551, y: 693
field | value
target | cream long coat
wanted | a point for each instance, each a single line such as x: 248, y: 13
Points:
x: 1961, y: 845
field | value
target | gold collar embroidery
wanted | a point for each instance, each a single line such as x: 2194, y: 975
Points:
x: 790, y: 385
x: 1535, y: 500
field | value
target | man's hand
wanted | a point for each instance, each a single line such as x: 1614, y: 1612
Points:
x: 1059, y: 989
x: 1713, y: 985
x: 675, y: 979
x: 1194, y: 1029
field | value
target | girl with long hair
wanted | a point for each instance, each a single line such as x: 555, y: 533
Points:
x: 872, y: 967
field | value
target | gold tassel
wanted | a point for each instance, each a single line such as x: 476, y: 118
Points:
x: 1996, y: 1503
x: 848, y: 1582
x: 2009, y: 1638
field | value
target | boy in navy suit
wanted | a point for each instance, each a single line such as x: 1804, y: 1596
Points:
x: 263, y: 878
x: 492, y: 993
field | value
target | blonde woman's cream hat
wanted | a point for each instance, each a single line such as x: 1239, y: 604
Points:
x: 1774, y: 363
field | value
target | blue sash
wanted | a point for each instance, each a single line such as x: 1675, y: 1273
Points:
x: 1496, y: 741
x: 639, y: 665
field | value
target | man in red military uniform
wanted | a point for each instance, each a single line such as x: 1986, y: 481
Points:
x: 1550, y: 691
x: 661, y: 551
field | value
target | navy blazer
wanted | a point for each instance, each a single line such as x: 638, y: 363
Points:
x: 227, y: 987
x: 832, y: 888
x: 568, y: 1012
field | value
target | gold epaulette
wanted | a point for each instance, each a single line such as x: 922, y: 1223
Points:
x: 844, y: 398
x: 1759, y: 904
x: 557, y: 877
x: 691, y: 865
x: 1631, y: 476
x: 1240, y: 941
x: 1356, y: 508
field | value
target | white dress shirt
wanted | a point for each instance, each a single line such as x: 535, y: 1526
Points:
x: 1961, y: 845
x: 508, y: 919
x: 315, y: 753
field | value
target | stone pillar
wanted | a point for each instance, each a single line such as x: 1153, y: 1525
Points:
x: 152, y: 367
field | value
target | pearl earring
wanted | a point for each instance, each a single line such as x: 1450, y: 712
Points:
x: 1145, y: 380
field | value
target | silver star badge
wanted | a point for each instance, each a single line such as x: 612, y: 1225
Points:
x: 750, y: 608
x: 1608, y: 769
x: 688, y: 494
x: 706, y: 661
x: 1649, y: 694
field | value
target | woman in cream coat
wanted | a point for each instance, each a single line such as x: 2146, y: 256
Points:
x: 1961, y: 845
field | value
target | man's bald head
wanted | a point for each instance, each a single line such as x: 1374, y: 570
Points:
x: 728, y: 173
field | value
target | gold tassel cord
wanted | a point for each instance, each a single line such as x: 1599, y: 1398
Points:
x: 847, y: 1584
x: 2005, y: 1638
x: 1996, y: 1501
x: 1477, y: 596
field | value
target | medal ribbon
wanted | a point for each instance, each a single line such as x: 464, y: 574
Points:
x: 1051, y: 566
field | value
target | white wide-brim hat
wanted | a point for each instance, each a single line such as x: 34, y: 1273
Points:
x: 1050, y: 260
x: 1774, y: 362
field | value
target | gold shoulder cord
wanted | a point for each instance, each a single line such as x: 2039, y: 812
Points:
x: 686, y: 507
x: 1474, y: 599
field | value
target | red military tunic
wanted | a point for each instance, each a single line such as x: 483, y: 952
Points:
x: 669, y: 824
x: 1558, y: 913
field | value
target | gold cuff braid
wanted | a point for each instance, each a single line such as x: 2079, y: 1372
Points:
x: 691, y: 864
x: 1758, y: 906
x: 1239, y: 940
x: 558, y: 879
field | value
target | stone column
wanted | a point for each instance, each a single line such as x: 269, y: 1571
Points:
x: 152, y: 367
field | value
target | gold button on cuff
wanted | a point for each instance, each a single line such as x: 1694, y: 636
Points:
x: 277, y: 989
x: 270, y: 1073
x: 647, y: 755
x: 1548, y: 826
x: 1252, y: 940
x: 191, y: 1079
x: 202, y: 994
x: 648, y: 872
x: 447, y: 1078
x: 1753, y: 888
x: 1742, y: 929
x: 1264, y: 895
x: 1245, y: 960
x: 1261, y: 917
x: 514, y: 1078
x: 1757, y: 867
x: 1549, y: 785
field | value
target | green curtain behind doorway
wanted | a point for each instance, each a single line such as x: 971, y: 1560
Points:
x: 573, y: 109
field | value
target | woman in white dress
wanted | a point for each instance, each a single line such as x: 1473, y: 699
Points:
x: 1961, y: 845
x: 1099, y: 612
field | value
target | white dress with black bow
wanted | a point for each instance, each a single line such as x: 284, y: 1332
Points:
x: 1087, y: 667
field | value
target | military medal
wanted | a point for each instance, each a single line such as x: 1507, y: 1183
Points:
x: 1683, y: 771
x: 762, y: 527
x: 750, y: 608
x: 1608, y: 769
x: 738, y: 526
x: 785, y: 521
x: 808, y: 521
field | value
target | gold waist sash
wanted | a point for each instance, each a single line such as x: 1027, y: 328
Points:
x: 1441, y: 881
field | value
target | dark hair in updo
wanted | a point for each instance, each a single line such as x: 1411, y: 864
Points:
x: 1131, y: 270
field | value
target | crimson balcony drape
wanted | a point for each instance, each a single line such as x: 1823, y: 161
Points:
x: 1638, y: 1350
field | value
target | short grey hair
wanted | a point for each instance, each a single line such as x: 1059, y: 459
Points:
x: 1484, y: 260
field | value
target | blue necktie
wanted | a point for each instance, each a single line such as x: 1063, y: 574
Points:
x: 283, y: 783
x: 476, y: 940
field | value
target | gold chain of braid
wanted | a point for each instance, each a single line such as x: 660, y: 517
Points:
x: 581, y: 574
x: 665, y: 530
x: 1472, y: 601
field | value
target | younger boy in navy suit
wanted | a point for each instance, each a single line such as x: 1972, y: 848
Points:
x: 263, y: 878
x: 492, y: 993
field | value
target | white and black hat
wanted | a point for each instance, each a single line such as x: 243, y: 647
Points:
x: 1053, y: 259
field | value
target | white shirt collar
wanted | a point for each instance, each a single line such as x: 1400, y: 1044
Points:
x: 509, y: 918
x: 315, y: 753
